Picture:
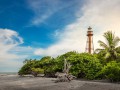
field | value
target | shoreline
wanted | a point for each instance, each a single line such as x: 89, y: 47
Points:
x: 15, y: 82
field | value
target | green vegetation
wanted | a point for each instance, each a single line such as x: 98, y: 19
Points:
x: 36, y: 71
x: 84, y: 65
x: 104, y: 64
x: 109, y: 49
x: 111, y: 71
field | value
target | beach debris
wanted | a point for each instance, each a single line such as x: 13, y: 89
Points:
x: 65, y: 76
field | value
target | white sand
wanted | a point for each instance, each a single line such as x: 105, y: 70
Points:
x: 14, y: 82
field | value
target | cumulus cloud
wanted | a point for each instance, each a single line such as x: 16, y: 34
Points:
x: 8, y: 40
x: 10, y: 59
x: 101, y: 15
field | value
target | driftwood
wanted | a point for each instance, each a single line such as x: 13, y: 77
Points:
x: 67, y: 66
x: 34, y: 73
x: 65, y: 76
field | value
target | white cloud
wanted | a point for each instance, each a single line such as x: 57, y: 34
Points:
x: 8, y: 40
x: 41, y: 10
x: 102, y: 15
x: 44, y: 9
x: 11, y: 56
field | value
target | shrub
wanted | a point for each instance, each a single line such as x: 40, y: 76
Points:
x: 36, y: 71
x: 85, y: 65
x: 111, y: 71
x: 25, y: 69
x: 53, y: 67
x: 57, y: 64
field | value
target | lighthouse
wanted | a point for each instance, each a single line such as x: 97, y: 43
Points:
x: 89, y: 43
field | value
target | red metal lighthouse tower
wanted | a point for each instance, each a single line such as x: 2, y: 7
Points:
x: 89, y: 43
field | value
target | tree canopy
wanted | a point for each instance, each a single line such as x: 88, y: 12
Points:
x: 109, y: 48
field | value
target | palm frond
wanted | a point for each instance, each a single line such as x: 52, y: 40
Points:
x: 107, y: 55
x: 98, y: 50
x: 109, y: 36
x: 116, y: 41
x: 110, y: 51
x: 102, y: 44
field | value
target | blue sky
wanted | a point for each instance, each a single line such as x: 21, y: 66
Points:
x: 36, y: 28
x: 35, y: 21
x: 26, y: 18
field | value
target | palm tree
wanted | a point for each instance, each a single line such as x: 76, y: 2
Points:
x: 109, y: 49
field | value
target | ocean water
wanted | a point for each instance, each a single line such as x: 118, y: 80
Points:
x: 8, y: 73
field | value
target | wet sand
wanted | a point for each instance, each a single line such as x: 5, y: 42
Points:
x: 14, y: 82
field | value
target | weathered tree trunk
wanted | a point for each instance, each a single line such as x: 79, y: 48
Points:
x: 65, y: 76
x: 67, y: 67
x: 34, y: 73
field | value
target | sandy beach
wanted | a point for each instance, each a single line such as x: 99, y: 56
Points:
x: 14, y: 82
